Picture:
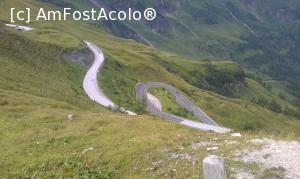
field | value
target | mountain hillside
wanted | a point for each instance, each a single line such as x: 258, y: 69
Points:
x: 41, y: 74
x: 260, y: 35
x: 221, y: 88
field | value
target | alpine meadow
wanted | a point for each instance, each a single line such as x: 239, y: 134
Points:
x: 87, y: 95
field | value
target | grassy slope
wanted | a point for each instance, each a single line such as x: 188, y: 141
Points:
x: 38, y: 90
x: 43, y: 143
x: 169, y: 103
x: 236, y: 113
x: 126, y: 66
x: 207, y: 29
x: 29, y: 72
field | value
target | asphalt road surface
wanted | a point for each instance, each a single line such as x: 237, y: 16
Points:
x: 90, y: 83
x: 19, y: 27
x: 154, y: 101
x: 206, y: 122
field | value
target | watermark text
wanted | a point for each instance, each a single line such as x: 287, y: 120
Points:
x: 89, y: 15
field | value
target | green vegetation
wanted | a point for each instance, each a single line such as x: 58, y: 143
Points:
x: 224, y: 82
x: 129, y: 62
x: 121, y: 87
x: 246, y: 32
x: 78, y: 166
x: 170, y: 105
x: 39, y: 89
x: 225, y: 78
x: 26, y: 65
x: 37, y: 140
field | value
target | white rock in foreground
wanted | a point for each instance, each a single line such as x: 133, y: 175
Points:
x: 70, y: 117
x: 212, y: 148
x: 236, y: 135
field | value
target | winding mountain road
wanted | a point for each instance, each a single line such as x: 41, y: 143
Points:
x: 90, y: 83
x: 207, y: 123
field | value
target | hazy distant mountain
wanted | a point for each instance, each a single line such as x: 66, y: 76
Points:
x: 262, y: 35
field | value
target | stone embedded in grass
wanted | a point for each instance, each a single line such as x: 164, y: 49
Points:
x: 88, y: 149
x: 71, y: 117
x: 230, y: 142
x: 212, y: 148
x: 183, y: 156
x: 200, y: 144
x: 236, y: 135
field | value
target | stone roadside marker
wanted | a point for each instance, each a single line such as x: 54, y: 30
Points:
x: 214, y: 167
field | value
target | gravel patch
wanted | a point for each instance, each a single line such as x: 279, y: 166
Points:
x: 275, y: 154
x: 242, y: 174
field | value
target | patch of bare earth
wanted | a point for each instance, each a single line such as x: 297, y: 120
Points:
x: 283, y: 155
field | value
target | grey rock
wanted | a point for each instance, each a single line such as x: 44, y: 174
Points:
x: 84, y: 57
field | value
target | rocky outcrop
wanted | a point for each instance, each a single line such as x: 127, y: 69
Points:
x: 84, y: 57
